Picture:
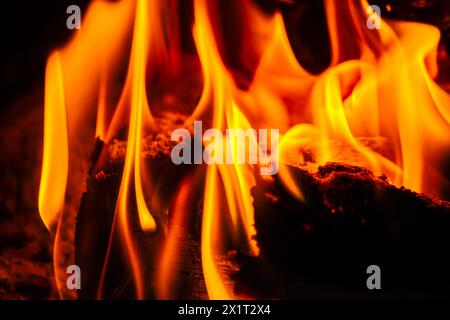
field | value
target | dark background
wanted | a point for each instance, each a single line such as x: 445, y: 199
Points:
x: 29, y: 30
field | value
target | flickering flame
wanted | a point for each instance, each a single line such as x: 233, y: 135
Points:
x: 73, y: 74
x: 237, y: 180
x: 392, y: 97
x: 168, y: 261
x: 56, y: 151
x: 379, y: 84
x: 147, y: 43
x: 139, y: 114
x: 70, y: 90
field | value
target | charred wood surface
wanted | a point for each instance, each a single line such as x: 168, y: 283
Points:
x: 319, y: 248
x: 96, y: 215
x: 350, y: 219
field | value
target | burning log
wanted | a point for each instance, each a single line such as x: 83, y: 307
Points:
x: 350, y: 219
x: 96, y: 216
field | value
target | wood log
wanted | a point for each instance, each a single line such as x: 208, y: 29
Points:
x: 96, y: 214
x: 350, y: 219
x: 321, y: 247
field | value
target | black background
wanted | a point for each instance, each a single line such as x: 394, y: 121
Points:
x: 29, y: 30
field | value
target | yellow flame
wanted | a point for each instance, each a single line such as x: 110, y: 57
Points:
x: 379, y: 83
x: 70, y: 89
x: 167, y: 266
x: 55, y: 162
x: 217, y: 290
x: 237, y: 179
x: 136, y: 83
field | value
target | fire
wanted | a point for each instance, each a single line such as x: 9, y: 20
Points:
x: 379, y: 85
x: 237, y: 181
x: 168, y: 260
x: 139, y: 115
x: 71, y: 82
x: 56, y: 151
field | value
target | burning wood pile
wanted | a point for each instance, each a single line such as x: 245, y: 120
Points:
x: 186, y: 156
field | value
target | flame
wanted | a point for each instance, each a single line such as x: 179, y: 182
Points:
x: 90, y: 61
x: 237, y: 181
x: 379, y: 84
x: 391, y: 97
x: 147, y: 42
x: 70, y: 85
x: 139, y: 103
x: 167, y: 265
x: 56, y: 150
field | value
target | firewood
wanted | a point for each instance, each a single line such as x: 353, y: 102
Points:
x: 349, y: 220
x: 321, y: 247
x: 95, y: 221
x: 307, y: 157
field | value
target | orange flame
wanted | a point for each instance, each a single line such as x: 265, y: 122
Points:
x: 146, y: 42
x: 71, y: 81
x: 167, y: 265
x: 379, y: 84
x: 56, y: 150
x: 237, y: 180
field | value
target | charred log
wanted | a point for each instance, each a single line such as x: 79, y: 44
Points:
x: 95, y: 223
x: 350, y: 219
